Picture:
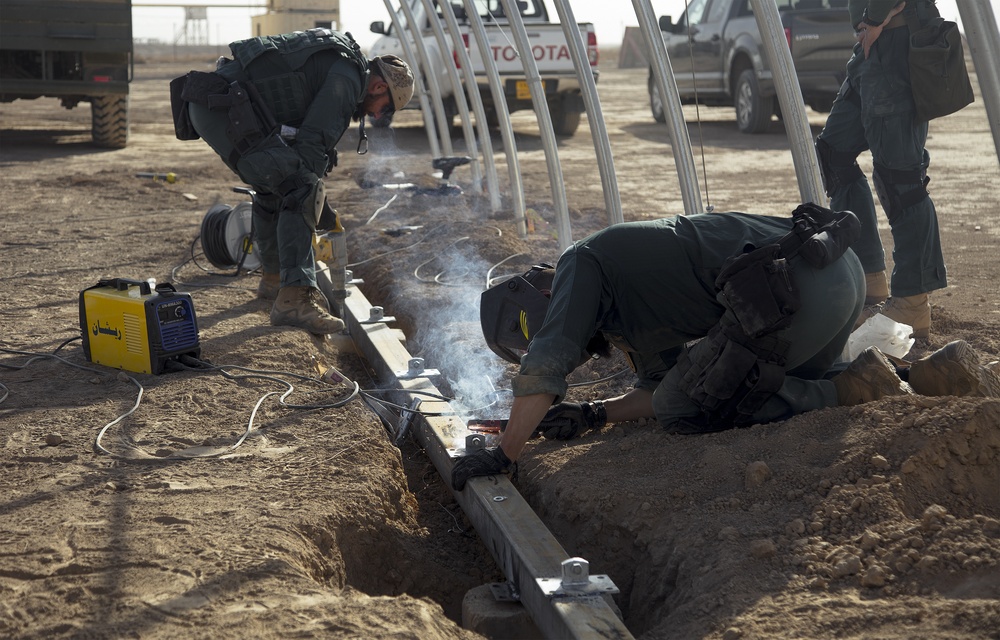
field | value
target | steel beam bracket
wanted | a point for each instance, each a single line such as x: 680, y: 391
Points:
x: 416, y: 370
x: 376, y: 315
x: 576, y: 581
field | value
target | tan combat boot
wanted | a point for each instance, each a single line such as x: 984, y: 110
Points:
x: 912, y: 310
x: 869, y: 377
x: 954, y: 370
x: 876, y: 293
x: 267, y: 288
x: 301, y: 307
x: 876, y: 288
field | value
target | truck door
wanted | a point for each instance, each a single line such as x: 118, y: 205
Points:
x: 695, y: 47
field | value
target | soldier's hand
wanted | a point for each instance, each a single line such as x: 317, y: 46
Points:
x: 484, y: 462
x: 568, y: 420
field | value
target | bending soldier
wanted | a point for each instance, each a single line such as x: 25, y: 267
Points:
x: 274, y: 114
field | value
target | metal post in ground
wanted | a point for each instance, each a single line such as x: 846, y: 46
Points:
x: 980, y: 26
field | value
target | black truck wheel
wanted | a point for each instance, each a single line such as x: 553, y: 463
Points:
x: 109, y: 116
x: 753, y: 111
x: 565, y: 121
x: 655, y: 104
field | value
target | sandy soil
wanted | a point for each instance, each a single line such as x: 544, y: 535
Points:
x: 880, y: 521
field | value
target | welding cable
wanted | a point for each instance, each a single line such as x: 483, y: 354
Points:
x: 382, y: 208
x: 489, y: 273
x: 436, y: 279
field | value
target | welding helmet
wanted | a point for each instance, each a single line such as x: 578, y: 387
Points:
x: 512, y: 311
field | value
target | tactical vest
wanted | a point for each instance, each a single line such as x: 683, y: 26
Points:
x: 277, y: 76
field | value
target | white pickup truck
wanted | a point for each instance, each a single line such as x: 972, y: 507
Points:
x: 548, y: 45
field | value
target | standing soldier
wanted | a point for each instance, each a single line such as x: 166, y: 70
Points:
x: 875, y: 110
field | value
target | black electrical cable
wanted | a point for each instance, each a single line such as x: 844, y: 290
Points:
x: 213, y: 234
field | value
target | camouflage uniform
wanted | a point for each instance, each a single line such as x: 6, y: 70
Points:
x: 649, y: 287
x: 875, y: 111
x: 313, y: 81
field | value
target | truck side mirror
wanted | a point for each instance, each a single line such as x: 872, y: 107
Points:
x: 666, y: 24
x: 377, y: 27
x: 522, y: 6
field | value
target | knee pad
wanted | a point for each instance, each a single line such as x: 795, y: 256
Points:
x: 304, y: 196
x: 887, y: 182
x: 837, y: 168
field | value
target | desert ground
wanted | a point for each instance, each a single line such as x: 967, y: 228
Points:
x: 252, y: 500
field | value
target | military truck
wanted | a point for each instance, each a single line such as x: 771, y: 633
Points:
x: 78, y: 51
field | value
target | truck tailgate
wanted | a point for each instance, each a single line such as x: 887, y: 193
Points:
x: 548, y: 46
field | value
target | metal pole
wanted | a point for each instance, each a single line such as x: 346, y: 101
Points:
x: 418, y: 77
x: 680, y: 141
x: 793, y: 110
x: 477, y: 101
x: 980, y: 26
x: 564, y: 233
x: 444, y: 127
x: 595, y: 115
x: 503, y: 114
x: 458, y: 93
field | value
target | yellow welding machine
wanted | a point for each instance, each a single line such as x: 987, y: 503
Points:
x: 127, y: 324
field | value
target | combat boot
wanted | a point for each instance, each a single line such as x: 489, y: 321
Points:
x: 912, y: 310
x: 876, y: 288
x: 869, y: 377
x: 301, y: 307
x: 267, y: 288
x: 954, y: 370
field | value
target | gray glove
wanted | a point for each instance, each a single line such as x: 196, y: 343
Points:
x: 568, y: 420
x: 484, y: 462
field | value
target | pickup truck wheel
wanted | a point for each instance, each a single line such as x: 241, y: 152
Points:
x: 565, y: 123
x: 753, y: 111
x: 109, y: 121
x: 655, y: 104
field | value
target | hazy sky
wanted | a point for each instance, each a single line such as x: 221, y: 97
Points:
x: 610, y: 17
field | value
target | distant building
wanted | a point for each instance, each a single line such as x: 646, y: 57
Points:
x: 285, y: 16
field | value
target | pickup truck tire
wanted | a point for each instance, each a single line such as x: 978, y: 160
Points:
x: 753, y: 111
x: 109, y: 121
x: 655, y: 104
x: 564, y: 121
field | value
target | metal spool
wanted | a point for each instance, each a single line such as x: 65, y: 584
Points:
x: 226, y: 237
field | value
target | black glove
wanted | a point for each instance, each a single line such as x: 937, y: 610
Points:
x: 568, y: 420
x: 484, y: 462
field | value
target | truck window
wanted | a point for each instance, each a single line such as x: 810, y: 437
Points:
x: 695, y: 13
x: 493, y: 9
x: 745, y: 8
x: 716, y: 12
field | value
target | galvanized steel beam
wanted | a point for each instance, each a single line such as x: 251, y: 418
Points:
x: 521, y: 545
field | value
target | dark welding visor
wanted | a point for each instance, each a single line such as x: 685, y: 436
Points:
x: 512, y: 311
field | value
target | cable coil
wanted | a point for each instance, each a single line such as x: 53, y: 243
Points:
x: 226, y: 237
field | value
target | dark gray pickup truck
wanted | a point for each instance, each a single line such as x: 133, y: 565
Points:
x: 716, y: 55
x: 74, y: 50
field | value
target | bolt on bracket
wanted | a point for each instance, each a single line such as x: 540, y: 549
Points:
x: 576, y: 581
x: 416, y: 370
x: 377, y: 314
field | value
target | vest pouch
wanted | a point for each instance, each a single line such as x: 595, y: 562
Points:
x: 183, y: 127
x: 939, y: 79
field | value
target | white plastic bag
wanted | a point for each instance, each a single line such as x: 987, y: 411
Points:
x: 891, y: 337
